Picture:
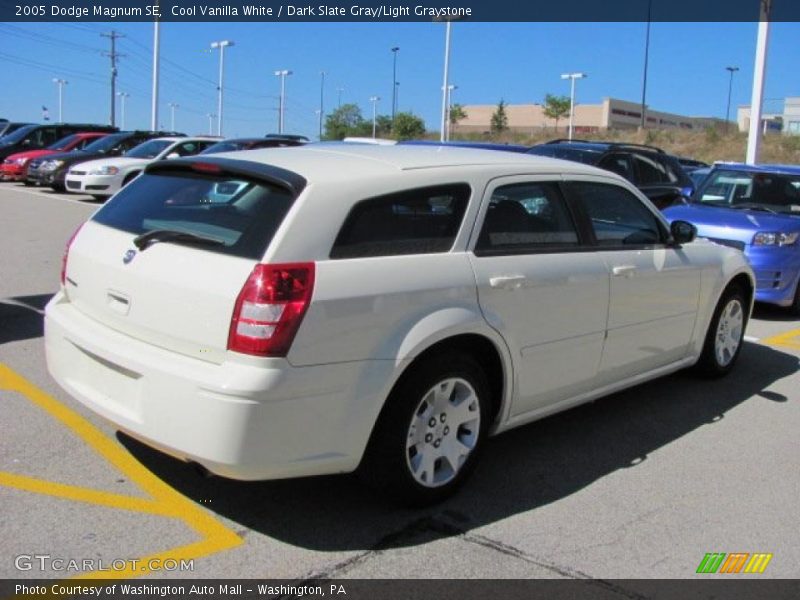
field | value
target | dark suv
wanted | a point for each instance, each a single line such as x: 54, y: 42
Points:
x: 657, y: 174
x: 34, y: 137
x: 52, y: 170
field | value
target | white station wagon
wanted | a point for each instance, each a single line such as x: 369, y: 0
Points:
x: 303, y: 311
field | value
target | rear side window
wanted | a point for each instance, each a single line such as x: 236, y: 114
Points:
x: 419, y: 221
x: 650, y: 169
x: 619, y: 164
x: 619, y: 218
x: 237, y: 215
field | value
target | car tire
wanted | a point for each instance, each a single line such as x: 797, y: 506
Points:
x: 437, y: 415
x: 794, y: 307
x: 58, y: 188
x: 725, y: 335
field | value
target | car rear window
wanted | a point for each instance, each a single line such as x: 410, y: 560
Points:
x: 241, y: 214
x: 418, y: 221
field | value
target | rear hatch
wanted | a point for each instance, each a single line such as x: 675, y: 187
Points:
x: 166, y: 258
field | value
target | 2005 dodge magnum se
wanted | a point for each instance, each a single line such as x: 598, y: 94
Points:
x: 301, y: 311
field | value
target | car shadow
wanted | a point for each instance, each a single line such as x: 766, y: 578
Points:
x: 520, y: 471
x: 771, y: 312
x: 21, y: 317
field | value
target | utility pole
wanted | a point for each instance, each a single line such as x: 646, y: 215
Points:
x: 113, y: 55
x: 759, y: 75
x: 156, y: 63
x: 321, y: 102
x: 395, y: 50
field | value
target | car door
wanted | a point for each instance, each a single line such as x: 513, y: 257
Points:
x: 655, y: 288
x: 540, y: 289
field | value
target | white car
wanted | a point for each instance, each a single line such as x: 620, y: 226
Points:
x: 106, y: 176
x: 303, y: 311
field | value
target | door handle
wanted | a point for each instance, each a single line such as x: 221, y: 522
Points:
x: 508, y: 282
x: 624, y: 271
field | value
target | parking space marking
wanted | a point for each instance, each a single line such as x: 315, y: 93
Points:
x: 751, y: 339
x: 54, y: 195
x: 215, y: 537
x: 788, y: 339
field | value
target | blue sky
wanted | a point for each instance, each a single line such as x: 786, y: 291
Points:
x: 518, y: 62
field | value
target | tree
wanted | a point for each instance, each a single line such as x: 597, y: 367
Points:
x: 499, y: 122
x: 556, y: 107
x: 457, y: 113
x: 408, y: 126
x: 344, y: 121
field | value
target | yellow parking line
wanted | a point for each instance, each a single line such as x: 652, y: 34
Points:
x: 166, y: 501
x: 790, y: 339
x: 79, y: 494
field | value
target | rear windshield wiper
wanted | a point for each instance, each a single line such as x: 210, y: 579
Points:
x: 155, y: 236
x: 753, y: 206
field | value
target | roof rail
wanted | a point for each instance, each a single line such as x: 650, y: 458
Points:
x: 562, y: 140
x: 610, y: 144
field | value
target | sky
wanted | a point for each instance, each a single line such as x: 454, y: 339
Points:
x: 516, y: 62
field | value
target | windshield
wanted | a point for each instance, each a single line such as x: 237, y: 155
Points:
x: 149, y: 149
x: 17, y: 136
x: 588, y: 157
x: 105, y: 144
x: 768, y: 192
x: 64, y: 143
x: 239, y: 215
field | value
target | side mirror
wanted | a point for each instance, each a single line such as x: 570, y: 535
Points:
x: 172, y: 155
x: 682, y: 232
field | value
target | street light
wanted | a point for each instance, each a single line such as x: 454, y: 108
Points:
x: 321, y: 98
x: 122, y: 96
x: 643, y: 121
x: 172, y: 107
x: 730, y: 89
x: 395, y: 50
x: 374, y: 100
x: 60, y: 83
x: 339, y: 90
x: 221, y: 45
x: 445, y: 83
x: 283, y: 73
x: 572, y: 77
x: 450, y: 89
x: 211, y: 117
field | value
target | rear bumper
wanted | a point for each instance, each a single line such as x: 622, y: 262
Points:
x: 259, y: 420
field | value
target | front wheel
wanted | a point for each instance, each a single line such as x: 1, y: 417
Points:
x: 429, y: 435
x: 725, y: 335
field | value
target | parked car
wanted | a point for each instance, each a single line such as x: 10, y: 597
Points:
x: 52, y: 170
x: 104, y: 177
x: 235, y: 144
x: 33, y: 137
x: 379, y: 308
x: 698, y: 176
x: 464, y: 144
x: 15, y: 167
x: 755, y: 209
x: 657, y: 174
x: 7, y: 127
x: 690, y: 164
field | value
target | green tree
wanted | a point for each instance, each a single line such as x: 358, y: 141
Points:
x: 408, y: 126
x: 345, y: 120
x: 457, y: 113
x: 499, y: 122
x: 556, y: 107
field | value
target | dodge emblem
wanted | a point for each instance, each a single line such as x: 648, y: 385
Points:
x: 128, y: 256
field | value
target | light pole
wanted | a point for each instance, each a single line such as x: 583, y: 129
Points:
x: 283, y: 73
x: 60, y: 83
x: 339, y: 90
x: 374, y: 100
x: 450, y: 89
x: 172, y: 107
x: 759, y: 75
x: 321, y: 101
x: 211, y: 117
x: 646, y: 56
x: 221, y: 45
x: 572, y: 77
x: 122, y: 96
x: 395, y: 50
x: 445, y: 83
x: 730, y: 90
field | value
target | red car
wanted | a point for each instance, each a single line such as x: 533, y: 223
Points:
x: 15, y: 167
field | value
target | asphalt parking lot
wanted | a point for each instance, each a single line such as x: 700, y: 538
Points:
x: 641, y: 484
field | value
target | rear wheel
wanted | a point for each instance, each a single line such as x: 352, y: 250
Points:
x: 428, y: 437
x: 795, y: 307
x: 725, y: 334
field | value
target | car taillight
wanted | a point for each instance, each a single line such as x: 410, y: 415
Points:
x: 270, y: 308
x: 66, y: 255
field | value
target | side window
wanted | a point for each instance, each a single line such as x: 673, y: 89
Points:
x: 619, y: 164
x: 129, y: 143
x: 650, y: 170
x: 618, y: 217
x: 526, y: 217
x: 84, y: 142
x: 187, y: 148
x: 419, y: 221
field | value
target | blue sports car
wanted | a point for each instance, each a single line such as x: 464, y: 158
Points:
x: 755, y: 209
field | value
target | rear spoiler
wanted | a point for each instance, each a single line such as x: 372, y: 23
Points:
x: 207, y: 165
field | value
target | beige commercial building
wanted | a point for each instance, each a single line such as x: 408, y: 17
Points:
x: 781, y: 115
x: 610, y: 114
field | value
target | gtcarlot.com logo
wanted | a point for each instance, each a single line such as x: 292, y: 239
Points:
x: 46, y: 562
x: 735, y: 562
